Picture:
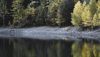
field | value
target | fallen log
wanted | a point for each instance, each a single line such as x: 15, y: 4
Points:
x: 48, y: 33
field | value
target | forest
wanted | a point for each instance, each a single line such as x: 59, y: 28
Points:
x: 23, y: 13
x: 30, y: 13
x: 84, y: 14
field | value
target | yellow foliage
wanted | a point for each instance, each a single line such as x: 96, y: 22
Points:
x: 76, y: 15
x: 87, y: 16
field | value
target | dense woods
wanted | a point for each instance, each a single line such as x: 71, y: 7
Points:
x: 36, y: 12
x: 23, y: 13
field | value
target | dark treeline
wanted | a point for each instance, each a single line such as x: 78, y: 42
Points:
x: 35, y: 12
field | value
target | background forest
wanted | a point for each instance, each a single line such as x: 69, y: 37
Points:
x: 25, y: 13
x: 35, y: 12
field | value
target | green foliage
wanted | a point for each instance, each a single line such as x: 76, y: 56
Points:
x: 86, y: 14
x: 18, y: 11
x: 46, y: 12
x: 20, y: 14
